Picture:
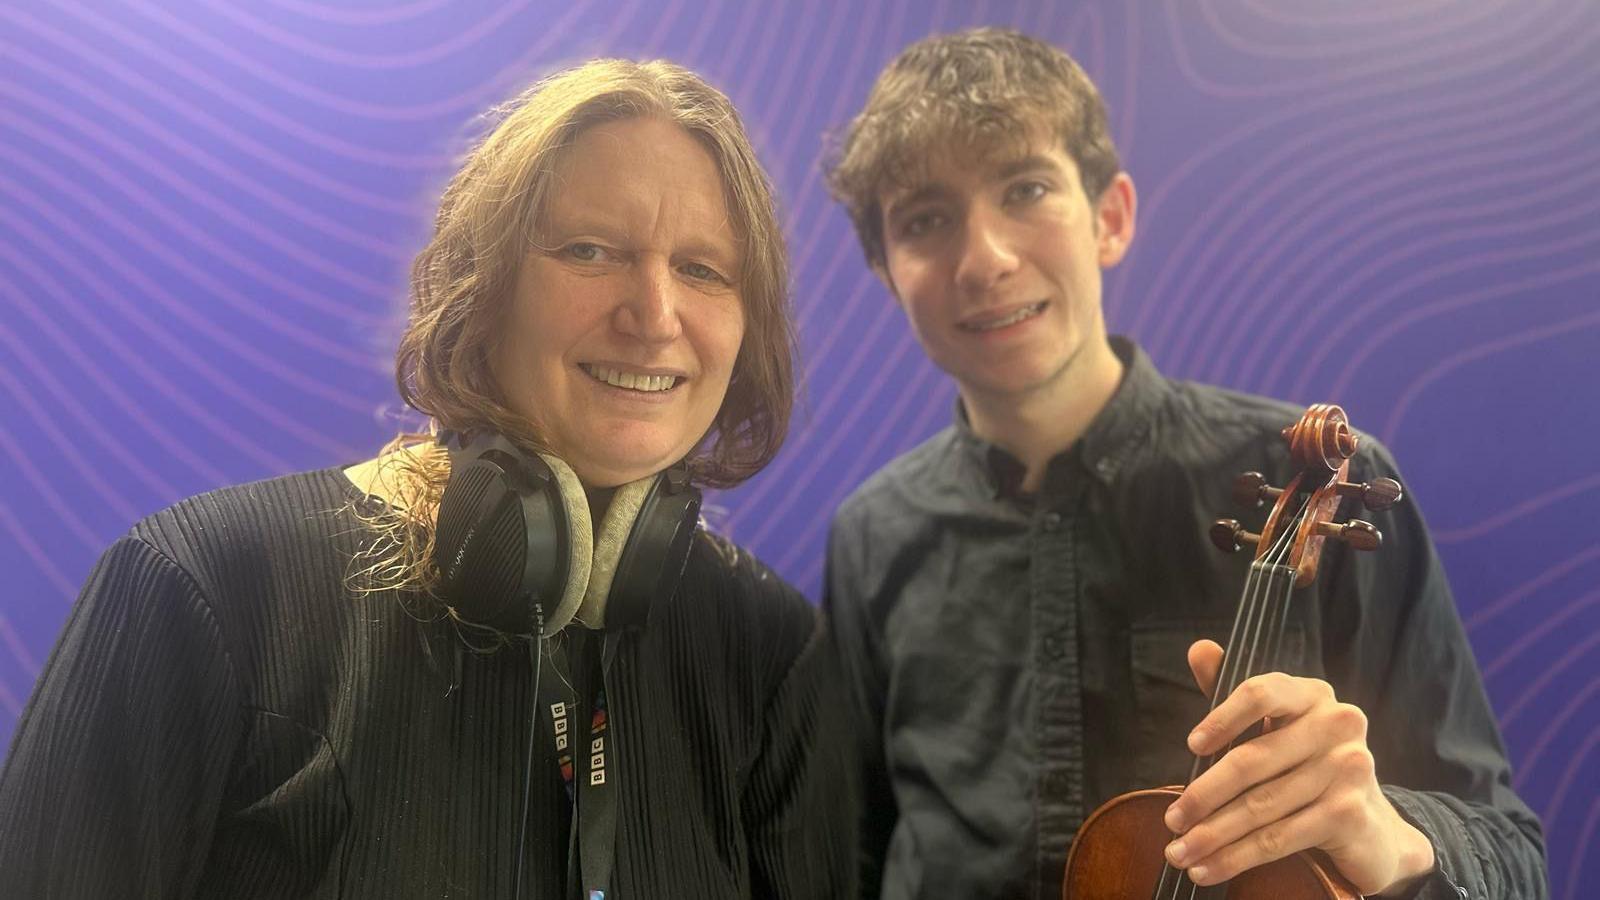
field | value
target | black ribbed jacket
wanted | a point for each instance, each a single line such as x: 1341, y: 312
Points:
x: 223, y: 718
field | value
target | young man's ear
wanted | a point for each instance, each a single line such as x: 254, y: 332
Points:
x: 1115, y: 213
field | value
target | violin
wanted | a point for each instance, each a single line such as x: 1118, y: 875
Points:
x: 1119, y: 851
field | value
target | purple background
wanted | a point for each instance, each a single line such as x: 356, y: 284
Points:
x: 207, y: 210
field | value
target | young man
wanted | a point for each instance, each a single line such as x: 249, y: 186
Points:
x: 1023, y: 601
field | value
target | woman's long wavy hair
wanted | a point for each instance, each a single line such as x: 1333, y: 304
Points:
x: 463, y: 279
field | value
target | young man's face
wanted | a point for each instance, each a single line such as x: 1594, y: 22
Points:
x: 996, y: 260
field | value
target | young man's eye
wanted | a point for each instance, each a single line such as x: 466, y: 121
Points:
x: 921, y: 224
x: 1026, y: 191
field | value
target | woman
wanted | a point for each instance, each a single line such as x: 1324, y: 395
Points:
x: 264, y: 692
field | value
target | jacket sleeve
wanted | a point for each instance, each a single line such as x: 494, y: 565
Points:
x: 115, y: 776
x: 802, y: 794
x: 1433, y: 734
x: 860, y: 658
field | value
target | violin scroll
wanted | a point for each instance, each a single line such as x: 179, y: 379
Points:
x: 1321, y: 445
x: 1322, y: 439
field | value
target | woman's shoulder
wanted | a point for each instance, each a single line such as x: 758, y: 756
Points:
x: 225, y: 513
x: 736, y: 602
x: 723, y: 571
x: 243, y: 532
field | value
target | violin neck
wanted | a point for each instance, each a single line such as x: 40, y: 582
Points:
x: 1256, y: 640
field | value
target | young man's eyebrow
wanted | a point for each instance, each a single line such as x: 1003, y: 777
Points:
x: 933, y: 191
x: 1030, y: 163
x: 920, y: 194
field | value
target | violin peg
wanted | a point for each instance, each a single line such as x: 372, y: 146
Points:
x: 1230, y: 537
x: 1378, y: 494
x: 1381, y: 493
x: 1251, y: 490
x: 1358, y: 534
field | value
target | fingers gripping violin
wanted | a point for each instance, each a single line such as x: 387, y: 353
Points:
x: 1118, y: 852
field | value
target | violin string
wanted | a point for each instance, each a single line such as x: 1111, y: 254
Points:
x: 1252, y: 596
x: 1255, y: 596
x: 1241, y: 628
x: 1262, y: 652
x: 1279, y: 611
x: 1271, y: 659
x: 1271, y: 565
x: 1237, y: 665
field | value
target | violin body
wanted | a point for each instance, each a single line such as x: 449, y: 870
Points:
x: 1117, y: 855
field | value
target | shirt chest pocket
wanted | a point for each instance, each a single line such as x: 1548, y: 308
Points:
x: 1168, y: 703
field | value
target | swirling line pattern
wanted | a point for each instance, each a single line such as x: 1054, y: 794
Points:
x: 207, y: 208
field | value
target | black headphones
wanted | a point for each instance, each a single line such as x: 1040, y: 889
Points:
x: 517, y: 552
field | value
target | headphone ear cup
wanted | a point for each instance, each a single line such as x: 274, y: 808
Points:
x: 657, y: 550
x: 581, y: 549
x: 610, y: 539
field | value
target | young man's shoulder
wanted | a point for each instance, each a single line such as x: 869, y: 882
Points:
x: 1240, y: 423
x: 1229, y: 413
x: 903, y: 482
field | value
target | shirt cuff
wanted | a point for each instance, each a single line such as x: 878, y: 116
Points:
x: 1444, y: 832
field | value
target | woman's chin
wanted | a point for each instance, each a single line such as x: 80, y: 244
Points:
x: 601, y: 474
x: 611, y: 457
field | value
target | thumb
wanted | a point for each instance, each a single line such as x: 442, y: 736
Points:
x: 1205, y: 661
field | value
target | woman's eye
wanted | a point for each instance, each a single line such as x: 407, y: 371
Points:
x: 586, y: 252
x: 701, y: 272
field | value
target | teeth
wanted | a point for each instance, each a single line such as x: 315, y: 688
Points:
x: 631, y: 381
x: 1023, y: 313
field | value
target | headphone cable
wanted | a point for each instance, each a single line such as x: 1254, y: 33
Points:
x: 536, y: 651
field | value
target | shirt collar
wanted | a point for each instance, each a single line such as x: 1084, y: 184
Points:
x: 1121, y: 428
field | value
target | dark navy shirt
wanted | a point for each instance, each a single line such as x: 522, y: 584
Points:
x: 1020, y: 659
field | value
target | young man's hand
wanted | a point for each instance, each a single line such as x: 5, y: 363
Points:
x: 1307, y: 782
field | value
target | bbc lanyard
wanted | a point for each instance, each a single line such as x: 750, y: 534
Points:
x: 588, y: 761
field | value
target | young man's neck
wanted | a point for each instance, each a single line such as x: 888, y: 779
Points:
x: 1038, y: 425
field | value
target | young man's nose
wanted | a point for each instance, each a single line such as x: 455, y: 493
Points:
x: 986, y: 256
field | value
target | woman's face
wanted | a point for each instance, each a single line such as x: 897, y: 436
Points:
x: 627, y: 316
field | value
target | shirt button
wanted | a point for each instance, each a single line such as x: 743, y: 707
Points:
x: 1052, y: 521
x: 1052, y: 648
x: 1053, y: 785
